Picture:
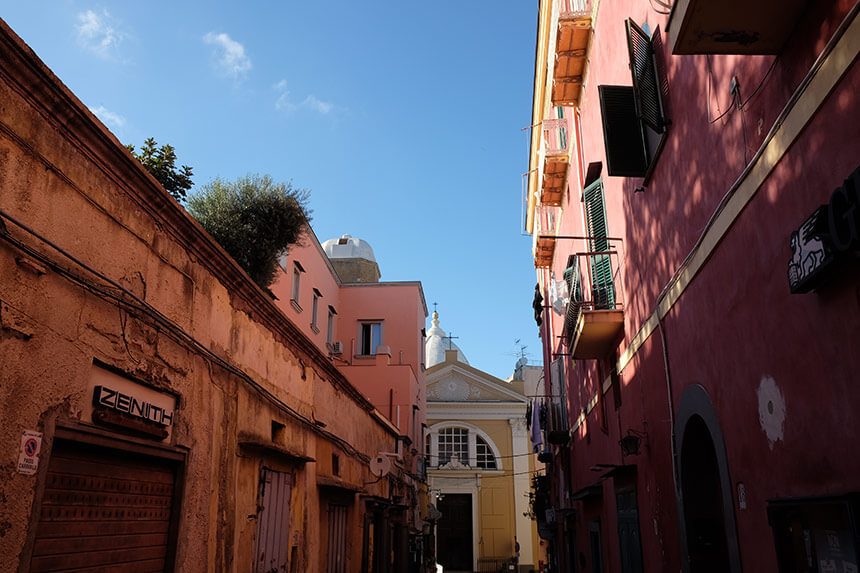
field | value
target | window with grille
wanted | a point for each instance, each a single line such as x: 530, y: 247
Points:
x: 453, y: 445
x: 485, y: 458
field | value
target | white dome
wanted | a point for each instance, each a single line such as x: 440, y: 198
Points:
x: 438, y: 343
x: 348, y: 248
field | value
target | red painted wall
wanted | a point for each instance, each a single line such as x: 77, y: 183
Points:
x: 737, y: 323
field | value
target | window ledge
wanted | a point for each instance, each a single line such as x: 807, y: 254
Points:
x: 295, y: 304
x: 315, y: 329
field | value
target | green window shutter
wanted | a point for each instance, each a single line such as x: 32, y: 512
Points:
x: 562, y: 133
x: 602, y: 287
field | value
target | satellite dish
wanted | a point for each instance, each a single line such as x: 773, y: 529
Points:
x: 380, y: 465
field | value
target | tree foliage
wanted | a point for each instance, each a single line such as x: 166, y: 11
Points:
x: 254, y: 219
x: 161, y: 162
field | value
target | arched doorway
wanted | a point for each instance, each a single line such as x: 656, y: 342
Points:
x: 705, y: 502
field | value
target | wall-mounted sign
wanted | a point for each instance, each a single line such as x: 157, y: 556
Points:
x: 132, y: 405
x: 829, y: 236
x: 124, y: 404
x: 28, y: 460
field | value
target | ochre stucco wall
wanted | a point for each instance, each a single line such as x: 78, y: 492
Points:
x: 130, y: 282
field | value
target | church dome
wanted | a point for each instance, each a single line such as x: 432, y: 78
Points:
x: 438, y: 343
x: 348, y: 247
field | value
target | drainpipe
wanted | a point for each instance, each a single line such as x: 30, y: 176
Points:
x: 669, y: 396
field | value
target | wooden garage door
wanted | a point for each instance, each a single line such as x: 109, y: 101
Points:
x: 104, y: 510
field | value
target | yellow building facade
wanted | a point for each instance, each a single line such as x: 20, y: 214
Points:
x: 479, y: 463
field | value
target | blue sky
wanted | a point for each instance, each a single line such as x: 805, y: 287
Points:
x: 403, y: 119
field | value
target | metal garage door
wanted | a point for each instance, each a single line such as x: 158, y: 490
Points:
x: 104, y: 510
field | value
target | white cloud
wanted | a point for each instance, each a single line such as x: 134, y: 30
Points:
x: 109, y: 118
x: 98, y: 33
x: 231, y: 59
x: 322, y: 107
x: 284, y: 104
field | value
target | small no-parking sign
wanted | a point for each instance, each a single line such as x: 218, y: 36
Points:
x: 28, y: 460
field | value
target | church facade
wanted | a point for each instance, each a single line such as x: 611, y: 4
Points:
x: 479, y: 463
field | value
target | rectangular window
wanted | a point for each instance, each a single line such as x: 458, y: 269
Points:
x: 315, y: 311
x: 370, y: 337
x: 329, y: 334
x: 297, y: 284
x: 453, y: 445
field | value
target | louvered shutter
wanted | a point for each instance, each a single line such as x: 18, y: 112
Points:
x: 602, y: 288
x: 622, y: 132
x: 643, y: 67
x: 572, y: 278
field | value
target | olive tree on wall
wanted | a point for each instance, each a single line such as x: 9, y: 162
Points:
x: 254, y: 219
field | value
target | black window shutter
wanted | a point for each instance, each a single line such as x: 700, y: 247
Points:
x: 622, y: 132
x: 571, y: 276
x: 643, y: 68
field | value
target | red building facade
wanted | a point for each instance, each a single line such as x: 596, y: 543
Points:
x: 692, y: 196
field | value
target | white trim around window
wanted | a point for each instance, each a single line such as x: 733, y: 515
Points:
x: 474, y: 432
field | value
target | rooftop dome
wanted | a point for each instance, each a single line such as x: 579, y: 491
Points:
x: 437, y: 343
x: 348, y: 247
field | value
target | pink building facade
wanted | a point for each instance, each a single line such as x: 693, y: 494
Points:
x: 693, y: 195
x: 373, y: 332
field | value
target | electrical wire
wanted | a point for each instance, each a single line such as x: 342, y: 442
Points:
x: 801, y: 88
x: 733, y: 102
x: 761, y: 83
x: 126, y: 300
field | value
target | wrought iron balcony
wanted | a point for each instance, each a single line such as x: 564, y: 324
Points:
x: 573, y: 38
x: 556, y: 145
x: 594, y: 321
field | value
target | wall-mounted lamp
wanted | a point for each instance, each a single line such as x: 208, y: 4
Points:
x: 631, y: 442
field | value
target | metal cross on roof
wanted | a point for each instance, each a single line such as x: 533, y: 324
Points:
x: 448, y: 338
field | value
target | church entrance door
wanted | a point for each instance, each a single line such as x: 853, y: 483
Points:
x: 454, y: 532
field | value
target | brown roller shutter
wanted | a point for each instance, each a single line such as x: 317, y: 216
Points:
x: 104, y: 510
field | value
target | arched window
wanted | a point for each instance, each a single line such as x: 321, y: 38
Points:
x: 463, y: 446
x: 486, y: 459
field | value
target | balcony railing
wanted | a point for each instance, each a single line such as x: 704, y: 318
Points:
x: 571, y: 51
x: 556, y: 146
x: 546, y: 226
x: 569, y: 8
x: 594, y: 319
x: 556, y: 135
